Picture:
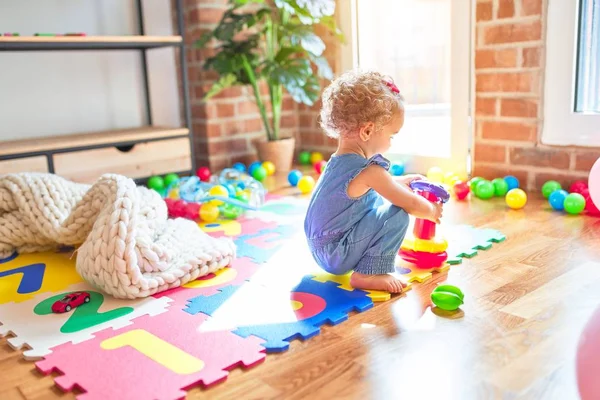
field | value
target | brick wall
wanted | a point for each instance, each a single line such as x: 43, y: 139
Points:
x: 509, y: 67
x: 226, y: 126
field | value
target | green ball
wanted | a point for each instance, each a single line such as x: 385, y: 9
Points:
x: 574, y: 203
x: 156, y: 182
x: 304, y: 158
x: 447, y: 297
x: 259, y: 173
x: 474, y: 181
x: 171, y: 178
x: 500, y: 187
x: 550, y: 187
x: 243, y: 197
x: 229, y: 211
x: 485, y: 190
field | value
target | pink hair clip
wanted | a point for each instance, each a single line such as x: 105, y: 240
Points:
x: 392, y: 87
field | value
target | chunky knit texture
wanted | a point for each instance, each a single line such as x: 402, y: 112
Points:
x: 126, y: 245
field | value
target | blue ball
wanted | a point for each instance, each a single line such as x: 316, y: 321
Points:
x: 513, y: 182
x: 397, y: 169
x: 239, y: 166
x: 557, y: 199
x: 253, y: 166
x: 294, y: 176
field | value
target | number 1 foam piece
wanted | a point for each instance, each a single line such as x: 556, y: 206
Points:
x: 25, y: 276
x: 158, y: 357
x: 239, y: 272
x: 464, y: 241
x: 279, y: 316
x: 36, y: 327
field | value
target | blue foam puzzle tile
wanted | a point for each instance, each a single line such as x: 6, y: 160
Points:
x: 259, y: 254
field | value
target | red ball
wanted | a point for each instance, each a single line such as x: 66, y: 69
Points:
x: 320, y: 166
x: 461, y: 190
x: 578, y: 186
x: 203, y: 173
x: 590, y: 207
x: 192, y: 211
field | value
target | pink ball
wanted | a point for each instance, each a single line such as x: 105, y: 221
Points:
x: 461, y: 190
x: 578, y: 186
x: 594, y: 183
x: 320, y: 166
x: 588, y: 359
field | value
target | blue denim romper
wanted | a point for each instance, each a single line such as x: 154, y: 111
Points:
x: 346, y: 234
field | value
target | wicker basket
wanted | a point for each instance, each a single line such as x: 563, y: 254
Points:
x: 279, y: 152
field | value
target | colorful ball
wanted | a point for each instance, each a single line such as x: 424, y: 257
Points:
x: 306, y: 184
x: 474, y: 181
x: 574, y: 203
x: 242, y: 196
x: 239, y: 166
x: 516, y: 198
x: 590, y: 207
x: 461, y: 190
x: 269, y: 167
x: 253, y: 166
x: 578, y: 187
x: 449, y: 178
x: 594, y: 183
x: 259, y: 173
x: 485, y: 190
x: 447, y: 297
x: 229, y: 211
x: 294, y: 176
x: 156, y: 182
x: 170, y: 179
x: 550, y: 187
x: 220, y: 191
x: 304, y: 158
x: 512, y: 182
x: 315, y: 157
x: 209, y: 212
x: 320, y: 166
x: 500, y: 187
x: 397, y: 169
x: 557, y: 199
x: 435, y: 174
x: 203, y: 173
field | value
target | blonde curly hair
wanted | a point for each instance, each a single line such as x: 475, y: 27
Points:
x: 356, y: 98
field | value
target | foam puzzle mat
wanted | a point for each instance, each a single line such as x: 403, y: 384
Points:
x: 193, y: 335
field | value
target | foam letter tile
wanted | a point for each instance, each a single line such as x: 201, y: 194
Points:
x: 35, y: 326
x: 157, y: 357
x: 279, y: 316
x: 465, y: 240
x: 24, y: 276
x: 411, y: 273
x: 237, y: 273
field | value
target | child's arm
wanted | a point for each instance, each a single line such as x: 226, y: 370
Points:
x: 400, y: 195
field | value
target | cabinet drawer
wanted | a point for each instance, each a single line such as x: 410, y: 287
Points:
x: 145, y: 159
x: 28, y: 164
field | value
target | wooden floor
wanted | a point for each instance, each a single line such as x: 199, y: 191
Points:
x: 527, y: 300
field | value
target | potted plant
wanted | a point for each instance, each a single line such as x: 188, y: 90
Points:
x: 272, y: 42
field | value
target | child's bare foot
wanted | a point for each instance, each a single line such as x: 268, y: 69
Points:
x: 383, y: 282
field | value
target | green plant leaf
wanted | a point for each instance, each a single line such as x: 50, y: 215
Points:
x: 222, y: 83
x: 318, y: 8
x: 308, y: 93
x: 313, y: 44
x: 323, y: 68
x: 285, y: 52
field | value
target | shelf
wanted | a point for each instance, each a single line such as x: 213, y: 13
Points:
x: 39, y: 43
x: 84, y: 141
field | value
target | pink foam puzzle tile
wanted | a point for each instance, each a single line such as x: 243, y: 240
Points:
x: 34, y: 326
x: 156, y: 358
x: 240, y: 270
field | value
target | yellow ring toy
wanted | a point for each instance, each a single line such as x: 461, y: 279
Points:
x: 435, y: 245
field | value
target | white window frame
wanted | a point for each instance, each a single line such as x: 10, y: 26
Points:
x: 562, y: 126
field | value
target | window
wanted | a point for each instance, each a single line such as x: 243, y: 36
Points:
x: 572, y: 75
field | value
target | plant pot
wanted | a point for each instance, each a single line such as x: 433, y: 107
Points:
x: 279, y: 152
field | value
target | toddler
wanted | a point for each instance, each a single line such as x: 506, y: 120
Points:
x: 349, y: 225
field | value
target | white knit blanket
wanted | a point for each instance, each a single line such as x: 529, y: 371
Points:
x: 126, y: 245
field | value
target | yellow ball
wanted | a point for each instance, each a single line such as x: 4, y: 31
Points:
x: 516, y: 199
x: 449, y: 177
x: 269, y: 167
x: 209, y: 212
x: 306, y: 184
x: 315, y: 157
x: 435, y: 174
x: 174, y: 194
x: 218, y: 190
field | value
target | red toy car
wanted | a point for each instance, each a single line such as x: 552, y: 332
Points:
x: 69, y: 301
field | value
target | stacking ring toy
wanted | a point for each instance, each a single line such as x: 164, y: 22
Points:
x: 431, y: 187
x: 423, y: 259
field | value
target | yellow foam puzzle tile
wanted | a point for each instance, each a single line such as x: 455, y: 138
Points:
x: 435, y: 245
x: 413, y: 274
x: 27, y: 275
x: 344, y: 283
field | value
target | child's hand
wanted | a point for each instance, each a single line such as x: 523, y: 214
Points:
x: 436, y: 212
x: 407, y: 179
